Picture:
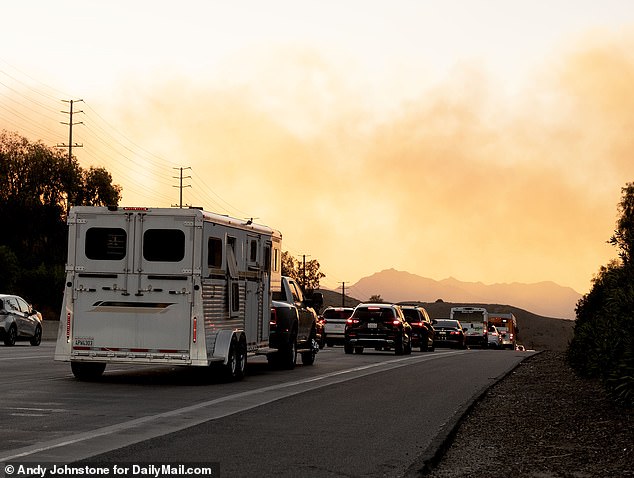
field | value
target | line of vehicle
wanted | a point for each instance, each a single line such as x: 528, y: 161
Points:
x: 151, y: 426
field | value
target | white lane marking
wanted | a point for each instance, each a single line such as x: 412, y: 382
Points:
x: 187, y: 419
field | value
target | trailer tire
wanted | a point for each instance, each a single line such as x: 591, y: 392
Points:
x: 87, y: 371
x: 235, y: 367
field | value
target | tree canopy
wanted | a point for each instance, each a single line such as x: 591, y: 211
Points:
x: 603, y: 342
x: 37, y: 183
x: 308, y: 277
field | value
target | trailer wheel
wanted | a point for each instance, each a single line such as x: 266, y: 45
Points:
x: 87, y: 371
x: 236, y: 361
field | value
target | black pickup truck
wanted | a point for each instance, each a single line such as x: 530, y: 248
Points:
x: 293, y: 325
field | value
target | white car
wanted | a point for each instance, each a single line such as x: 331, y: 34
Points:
x: 334, y: 320
x: 495, y: 338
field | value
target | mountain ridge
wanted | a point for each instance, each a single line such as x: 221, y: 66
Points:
x: 545, y: 298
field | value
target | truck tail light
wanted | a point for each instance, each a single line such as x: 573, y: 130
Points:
x: 195, y: 332
x: 68, y: 327
x: 273, y: 320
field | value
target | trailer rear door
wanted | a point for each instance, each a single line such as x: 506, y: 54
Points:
x: 133, y: 282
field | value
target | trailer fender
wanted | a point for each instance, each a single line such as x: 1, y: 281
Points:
x: 223, y: 343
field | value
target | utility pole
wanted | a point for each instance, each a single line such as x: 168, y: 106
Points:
x: 343, y: 294
x: 70, y: 144
x: 180, y: 187
x: 304, y: 271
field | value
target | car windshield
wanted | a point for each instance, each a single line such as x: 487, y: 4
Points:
x: 445, y: 323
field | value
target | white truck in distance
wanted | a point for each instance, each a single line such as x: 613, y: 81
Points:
x: 474, y: 321
x: 166, y: 286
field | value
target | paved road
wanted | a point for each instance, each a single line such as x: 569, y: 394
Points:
x: 373, y: 414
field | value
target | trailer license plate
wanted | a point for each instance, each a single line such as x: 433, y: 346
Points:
x: 372, y: 326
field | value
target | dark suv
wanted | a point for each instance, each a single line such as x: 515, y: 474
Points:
x: 381, y: 326
x: 422, y: 329
x: 18, y: 321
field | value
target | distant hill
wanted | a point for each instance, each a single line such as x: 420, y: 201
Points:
x: 545, y: 327
x: 536, y: 332
x: 543, y: 298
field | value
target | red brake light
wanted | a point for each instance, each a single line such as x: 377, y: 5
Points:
x: 273, y: 320
x: 352, y: 321
x: 195, y: 329
x: 396, y: 322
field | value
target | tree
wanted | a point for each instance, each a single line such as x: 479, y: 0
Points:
x: 376, y: 298
x: 603, y: 341
x: 308, y: 277
x: 623, y: 237
x: 36, y: 183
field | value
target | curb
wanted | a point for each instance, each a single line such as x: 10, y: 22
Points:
x: 436, y: 450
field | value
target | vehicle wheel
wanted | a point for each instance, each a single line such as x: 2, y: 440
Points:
x: 87, y: 371
x: 236, y: 364
x: 408, y: 348
x: 358, y: 350
x: 308, y: 358
x: 289, y: 353
x: 37, y: 337
x: 398, y: 348
x: 11, y: 336
x: 348, y: 348
x: 241, y: 357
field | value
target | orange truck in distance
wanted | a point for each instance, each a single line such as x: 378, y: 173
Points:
x: 507, y: 327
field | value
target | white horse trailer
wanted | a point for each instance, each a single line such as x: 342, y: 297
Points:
x: 165, y: 286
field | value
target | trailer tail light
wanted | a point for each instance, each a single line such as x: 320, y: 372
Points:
x: 273, y: 320
x: 195, y: 328
x: 67, y: 327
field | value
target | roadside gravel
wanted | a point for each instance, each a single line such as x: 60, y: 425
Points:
x: 540, y: 421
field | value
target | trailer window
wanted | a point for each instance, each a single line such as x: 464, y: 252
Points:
x: 105, y: 244
x: 164, y: 245
x: 253, y: 256
x: 214, y: 252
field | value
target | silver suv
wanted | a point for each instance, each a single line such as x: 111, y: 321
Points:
x: 18, y: 321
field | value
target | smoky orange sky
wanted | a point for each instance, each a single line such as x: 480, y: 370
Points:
x: 456, y: 182
x: 455, y: 173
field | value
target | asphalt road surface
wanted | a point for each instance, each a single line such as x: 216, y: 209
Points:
x: 373, y: 414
